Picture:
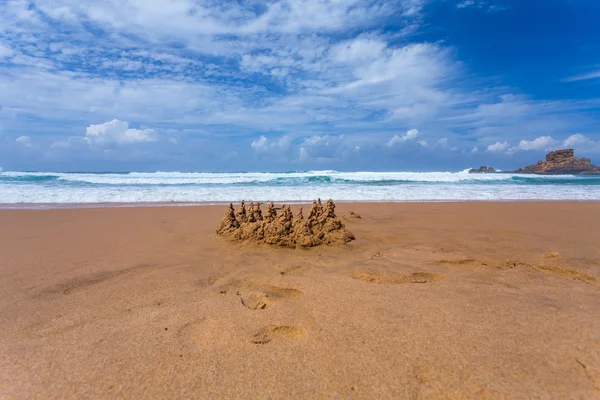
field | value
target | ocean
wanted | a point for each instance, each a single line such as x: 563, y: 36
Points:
x: 27, y: 189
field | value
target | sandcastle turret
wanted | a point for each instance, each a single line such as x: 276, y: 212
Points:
x: 300, y: 216
x: 229, y: 222
x: 314, y: 211
x: 251, y: 217
x: 270, y: 212
x: 258, y: 213
x: 329, y: 211
x: 241, y: 214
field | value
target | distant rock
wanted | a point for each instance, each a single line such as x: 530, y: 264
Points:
x: 561, y: 162
x: 482, y: 170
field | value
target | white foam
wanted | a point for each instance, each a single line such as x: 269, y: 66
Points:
x: 409, y: 192
x: 346, y: 186
x: 188, y: 178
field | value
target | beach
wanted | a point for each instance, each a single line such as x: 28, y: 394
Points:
x: 432, y: 300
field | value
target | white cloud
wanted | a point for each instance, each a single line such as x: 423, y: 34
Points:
x: 584, y: 77
x: 360, y: 49
x: 116, y: 131
x: 577, y: 140
x: 481, y: 4
x: 410, y: 135
x: 475, y: 150
x: 412, y: 7
x: 445, y: 144
x: 323, y: 148
x: 498, y: 147
x: 540, y: 143
x: 263, y: 145
x: 24, y: 141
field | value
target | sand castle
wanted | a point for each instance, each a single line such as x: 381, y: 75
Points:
x: 282, y: 228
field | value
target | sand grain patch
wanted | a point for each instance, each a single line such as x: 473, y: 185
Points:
x: 299, y: 270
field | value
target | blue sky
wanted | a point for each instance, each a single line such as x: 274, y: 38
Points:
x: 191, y: 85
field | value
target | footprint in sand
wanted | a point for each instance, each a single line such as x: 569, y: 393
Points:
x: 266, y: 296
x: 382, y: 278
x: 257, y: 301
x: 278, y: 332
x: 552, y: 264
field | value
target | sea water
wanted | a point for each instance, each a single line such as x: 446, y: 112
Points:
x: 20, y: 188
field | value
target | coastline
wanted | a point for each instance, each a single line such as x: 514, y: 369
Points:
x: 159, y: 204
x: 473, y: 300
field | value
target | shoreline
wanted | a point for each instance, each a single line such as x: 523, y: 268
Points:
x: 60, y: 206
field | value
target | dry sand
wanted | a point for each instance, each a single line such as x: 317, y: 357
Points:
x: 462, y: 300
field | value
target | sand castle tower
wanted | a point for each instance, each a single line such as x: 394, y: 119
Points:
x: 258, y: 213
x: 229, y: 222
x: 270, y: 213
x: 251, y: 216
x: 241, y: 214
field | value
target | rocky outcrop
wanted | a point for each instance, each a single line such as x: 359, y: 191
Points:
x: 482, y: 170
x: 561, y: 162
x: 282, y: 228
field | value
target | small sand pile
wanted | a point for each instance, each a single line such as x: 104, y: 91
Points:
x: 281, y: 228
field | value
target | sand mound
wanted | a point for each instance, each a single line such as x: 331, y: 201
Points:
x: 281, y: 228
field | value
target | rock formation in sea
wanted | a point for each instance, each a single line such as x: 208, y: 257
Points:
x: 561, y: 162
x: 322, y: 226
x: 482, y: 170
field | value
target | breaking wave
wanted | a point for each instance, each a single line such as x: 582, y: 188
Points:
x: 133, y: 187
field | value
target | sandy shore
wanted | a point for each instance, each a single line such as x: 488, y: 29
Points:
x: 457, y: 300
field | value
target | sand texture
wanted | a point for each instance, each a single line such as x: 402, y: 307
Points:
x: 449, y: 301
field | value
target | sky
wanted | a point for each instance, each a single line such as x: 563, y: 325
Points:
x: 283, y: 85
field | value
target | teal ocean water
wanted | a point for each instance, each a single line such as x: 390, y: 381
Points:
x: 161, y: 187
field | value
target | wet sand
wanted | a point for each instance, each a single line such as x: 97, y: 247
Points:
x: 437, y: 300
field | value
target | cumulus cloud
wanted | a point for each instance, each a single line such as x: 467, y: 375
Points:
x: 117, y: 132
x: 540, y: 143
x: 410, y: 135
x: 545, y: 143
x: 445, y: 144
x: 582, y: 144
x: 24, y: 141
x: 577, y: 140
x: 263, y: 145
x: 498, y: 147
x: 322, y: 148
